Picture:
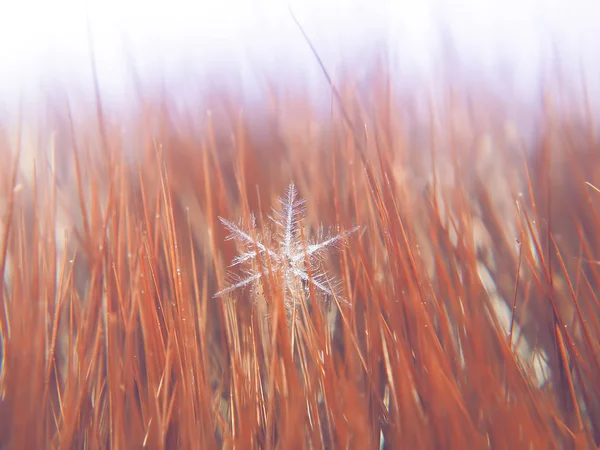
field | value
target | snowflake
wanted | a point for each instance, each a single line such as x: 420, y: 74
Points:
x: 288, y: 258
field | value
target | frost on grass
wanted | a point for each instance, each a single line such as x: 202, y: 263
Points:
x: 286, y: 253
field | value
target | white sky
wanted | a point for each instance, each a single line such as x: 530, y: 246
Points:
x: 45, y: 41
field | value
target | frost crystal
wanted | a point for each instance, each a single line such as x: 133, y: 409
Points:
x: 288, y: 257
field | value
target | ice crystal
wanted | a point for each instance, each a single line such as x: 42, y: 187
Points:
x: 288, y: 256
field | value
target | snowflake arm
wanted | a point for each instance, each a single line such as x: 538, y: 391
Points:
x: 287, y: 220
x: 237, y: 232
x: 316, y: 248
x: 314, y: 280
x: 246, y: 281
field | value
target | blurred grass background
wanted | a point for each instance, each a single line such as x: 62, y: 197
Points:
x: 473, y: 315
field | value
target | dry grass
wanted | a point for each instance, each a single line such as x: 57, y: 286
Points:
x: 472, y: 316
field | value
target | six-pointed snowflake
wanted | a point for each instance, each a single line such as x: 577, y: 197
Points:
x: 287, y: 257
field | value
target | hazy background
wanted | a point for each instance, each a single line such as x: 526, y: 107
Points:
x: 176, y: 44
